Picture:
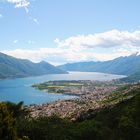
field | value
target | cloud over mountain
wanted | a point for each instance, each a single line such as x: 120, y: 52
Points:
x: 107, y: 39
x: 100, y: 46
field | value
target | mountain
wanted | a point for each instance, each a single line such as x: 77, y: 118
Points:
x: 123, y: 65
x: 132, y: 78
x: 11, y: 67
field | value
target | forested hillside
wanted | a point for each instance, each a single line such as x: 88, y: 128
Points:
x: 11, y: 67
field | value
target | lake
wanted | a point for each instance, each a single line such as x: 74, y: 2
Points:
x: 20, y: 89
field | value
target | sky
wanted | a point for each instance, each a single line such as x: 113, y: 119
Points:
x: 66, y: 31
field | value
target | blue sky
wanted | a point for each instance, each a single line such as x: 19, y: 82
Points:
x: 61, y: 31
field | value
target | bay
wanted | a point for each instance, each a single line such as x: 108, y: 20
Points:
x: 16, y: 90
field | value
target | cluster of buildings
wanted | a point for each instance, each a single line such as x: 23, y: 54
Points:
x: 90, y: 98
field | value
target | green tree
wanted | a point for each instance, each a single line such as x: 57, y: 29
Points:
x: 7, y: 124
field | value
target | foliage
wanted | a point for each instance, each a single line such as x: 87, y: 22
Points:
x: 7, y: 124
x: 10, y: 114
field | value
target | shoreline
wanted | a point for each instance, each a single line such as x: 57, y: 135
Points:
x: 70, y: 108
x: 99, y: 97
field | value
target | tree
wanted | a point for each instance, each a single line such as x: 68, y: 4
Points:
x: 7, y: 124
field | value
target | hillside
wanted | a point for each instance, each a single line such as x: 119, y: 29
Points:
x: 132, y: 78
x: 11, y: 67
x: 119, y: 122
x: 123, y: 65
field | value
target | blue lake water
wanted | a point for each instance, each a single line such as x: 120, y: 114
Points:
x: 20, y: 89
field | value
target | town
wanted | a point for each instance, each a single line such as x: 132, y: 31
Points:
x: 93, y: 95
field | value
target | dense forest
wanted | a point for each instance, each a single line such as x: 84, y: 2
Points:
x: 121, y: 122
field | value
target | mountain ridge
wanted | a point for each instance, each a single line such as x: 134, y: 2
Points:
x: 11, y: 67
x: 122, y: 65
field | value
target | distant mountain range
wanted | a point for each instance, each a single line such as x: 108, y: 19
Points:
x: 11, y: 67
x: 127, y: 65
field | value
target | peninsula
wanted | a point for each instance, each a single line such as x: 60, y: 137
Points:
x: 93, y: 96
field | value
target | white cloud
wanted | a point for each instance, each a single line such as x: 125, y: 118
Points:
x: 15, y: 41
x: 31, y: 42
x: 53, y: 55
x: 60, y: 56
x: 19, y: 3
x: 27, y: 10
x: 1, y: 16
x: 22, y: 4
x: 107, y: 39
x: 36, y: 21
x: 101, y: 46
